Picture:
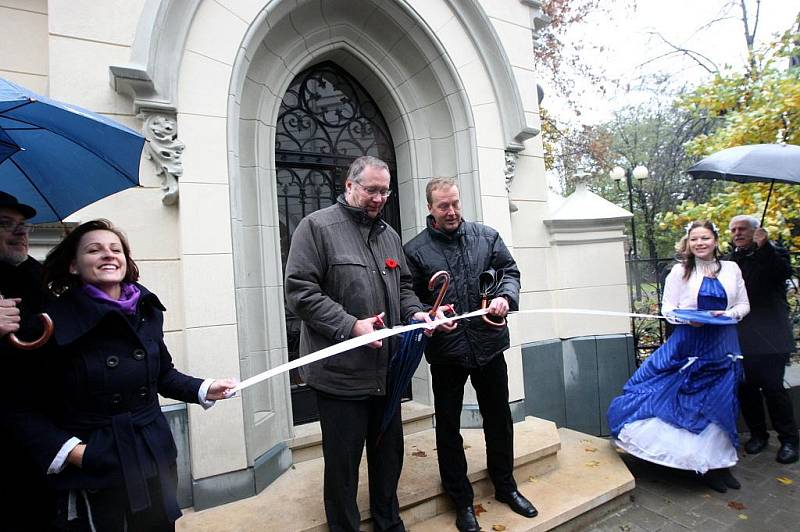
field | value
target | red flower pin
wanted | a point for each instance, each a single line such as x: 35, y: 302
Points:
x: 391, y: 263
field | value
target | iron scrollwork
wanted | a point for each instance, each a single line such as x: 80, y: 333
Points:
x: 326, y: 113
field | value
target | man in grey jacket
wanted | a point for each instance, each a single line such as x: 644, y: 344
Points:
x: 346, y: 276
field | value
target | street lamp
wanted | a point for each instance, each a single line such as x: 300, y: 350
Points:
x: 639, y: 173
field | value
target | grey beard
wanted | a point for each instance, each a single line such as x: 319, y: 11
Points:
x: 14, y: 259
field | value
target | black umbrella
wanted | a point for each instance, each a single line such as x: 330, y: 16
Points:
x: 405, y: 360
x: 754, y: 163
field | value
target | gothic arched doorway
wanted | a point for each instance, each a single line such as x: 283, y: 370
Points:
x: 326, y: 120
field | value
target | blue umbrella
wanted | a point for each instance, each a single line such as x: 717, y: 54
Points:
x: 405, y: 360
x: 58, y: 158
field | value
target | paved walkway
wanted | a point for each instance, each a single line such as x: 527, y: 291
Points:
x: 669, y: 500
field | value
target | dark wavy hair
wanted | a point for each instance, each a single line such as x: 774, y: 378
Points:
x: 57, y: 277
x: 685, y: 256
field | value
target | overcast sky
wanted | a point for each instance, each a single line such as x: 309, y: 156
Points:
x: 629, y: 48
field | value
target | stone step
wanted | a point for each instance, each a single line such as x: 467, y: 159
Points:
x: 307, y: 441
x: 590, y: 481
x: 294, y: 501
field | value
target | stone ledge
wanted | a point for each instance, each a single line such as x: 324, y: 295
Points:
x: 589, y: 476
x: 307, y: 442
x: 294, y: 501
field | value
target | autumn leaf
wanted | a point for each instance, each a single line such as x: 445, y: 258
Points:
x: 531, y: 479
x: 735, y: 505
x: 479, y: 509
x: 743, y: 517
x: 590, y: 449
x: 421, y: 454
x: 498, y: 527
x: 593, y: 463
x: 785, y: 481
x: 467, y: 446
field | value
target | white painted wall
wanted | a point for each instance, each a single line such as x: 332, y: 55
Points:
x: 23, y: 43
x: 186, y: 252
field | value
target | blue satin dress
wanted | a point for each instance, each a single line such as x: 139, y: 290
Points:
x: 679, y: 409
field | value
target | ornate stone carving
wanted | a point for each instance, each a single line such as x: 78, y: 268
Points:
x: 165, y: 150
x: 510, y: 171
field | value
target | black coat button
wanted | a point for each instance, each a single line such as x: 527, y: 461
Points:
x: 116, y: 399
x: 142, y: 392
x: 138, y: 354
x: 112, y: 361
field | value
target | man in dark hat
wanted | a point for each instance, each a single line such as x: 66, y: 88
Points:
x: 23, y: 296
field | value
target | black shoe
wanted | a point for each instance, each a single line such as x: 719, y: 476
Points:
x: 466, y: 520
x: 713, y: 479
x: 787, y: 454
x: 518, y: 503
x: 729, y: 480
x: 755, y: 444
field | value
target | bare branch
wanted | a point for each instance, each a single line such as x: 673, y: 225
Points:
x: 693, y: 55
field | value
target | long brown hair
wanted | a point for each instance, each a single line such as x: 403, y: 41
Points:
x: 685, y: 256
x: 56, y: 266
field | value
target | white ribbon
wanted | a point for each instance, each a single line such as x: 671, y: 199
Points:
x: 380, y: 334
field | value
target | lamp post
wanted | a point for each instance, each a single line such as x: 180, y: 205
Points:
x: 639, y: 173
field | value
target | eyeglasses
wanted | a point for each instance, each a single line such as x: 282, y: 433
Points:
x: 10, y: 226
x: 375, y: 191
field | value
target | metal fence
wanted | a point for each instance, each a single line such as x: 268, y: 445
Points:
x: 646, y: 282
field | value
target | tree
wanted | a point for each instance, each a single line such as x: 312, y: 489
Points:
x: 655, y: 137
x: 560, y: 60
x: 759, y: 103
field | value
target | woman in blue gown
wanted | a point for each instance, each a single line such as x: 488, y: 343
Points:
x: 679, y: 409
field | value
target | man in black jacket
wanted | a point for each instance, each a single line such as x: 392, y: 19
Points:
x: 766, y: 338
x: 473, y: 349
x: 23, y: 297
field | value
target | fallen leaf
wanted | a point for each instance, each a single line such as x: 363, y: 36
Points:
x: 420, y: 454
x: 736, y: 505
x: 743, y: 517
x: 531, y: 479
x: 467, y: 446
x: 593, y: 463
x: 479, y: 509
x: 498, y: 527
x: 785, y: 481
x: 590, y: 449
x: 586, y: 442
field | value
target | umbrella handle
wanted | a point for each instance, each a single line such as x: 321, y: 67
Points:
x: 47, y: 323
x: 445, y: 285
x: 487, y: 319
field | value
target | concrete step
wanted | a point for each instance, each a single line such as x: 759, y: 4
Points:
x: 307, y: 441
x: 294, y: 501
x: 590, y: 481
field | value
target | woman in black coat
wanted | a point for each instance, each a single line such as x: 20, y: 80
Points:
x: 98, y: 430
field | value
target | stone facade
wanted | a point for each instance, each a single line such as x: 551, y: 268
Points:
x: 204, y: 79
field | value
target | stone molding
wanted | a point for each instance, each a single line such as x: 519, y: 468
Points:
x: 584, y: 217
x: 151, y: 76
x: 516, y: 129
x: 165, y: 150
x: 540, y: 20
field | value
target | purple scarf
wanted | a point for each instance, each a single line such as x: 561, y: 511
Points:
x: 128, y: 297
